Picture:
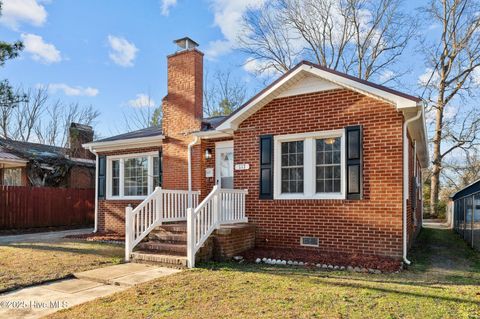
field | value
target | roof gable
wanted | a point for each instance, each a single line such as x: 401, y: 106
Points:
x: 307, y: 77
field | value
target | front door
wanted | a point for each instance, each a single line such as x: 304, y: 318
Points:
x: 224, y: 164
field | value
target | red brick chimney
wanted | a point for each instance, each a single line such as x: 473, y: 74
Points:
x: 182, y: 111
x: 80, y: 134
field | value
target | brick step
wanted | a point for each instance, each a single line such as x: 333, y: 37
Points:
x: 166, y: 237
x: 159, y: 258
x: 173, y: 228
x: 177, y: 248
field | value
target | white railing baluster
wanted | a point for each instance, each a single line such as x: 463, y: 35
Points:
x: 160, y: 206
x: 221, y: 206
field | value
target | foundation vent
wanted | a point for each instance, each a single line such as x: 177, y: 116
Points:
x: 309, y: 241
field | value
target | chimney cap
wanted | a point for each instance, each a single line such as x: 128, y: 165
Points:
x: 185, y: 43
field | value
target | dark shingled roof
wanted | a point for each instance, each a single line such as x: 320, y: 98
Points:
x: 29, y: 150
x: 208, y: 123
x: 36, y: 151
x: 211, y: 123
x: 146, y: 132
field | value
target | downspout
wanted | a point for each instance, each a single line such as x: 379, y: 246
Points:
x: 190, y: 146
x: 406, y: 183
x: 95, y: 228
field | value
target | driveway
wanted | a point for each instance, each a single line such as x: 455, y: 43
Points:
x: 42, y: 237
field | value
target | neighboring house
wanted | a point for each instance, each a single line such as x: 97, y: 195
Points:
x: 33, y: 164
x: 330, y: 163
x: 466, y: 213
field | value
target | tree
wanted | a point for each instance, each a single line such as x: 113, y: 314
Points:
x: 37, y: 118
x: 362, y: 37
x: 9, y: 50
x: 222, y: 93
x: 143, y: 116
x: 8, y: 99
x: 452, y: 58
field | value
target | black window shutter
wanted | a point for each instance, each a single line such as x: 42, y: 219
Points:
x: 102, y: 170
x: 160, y: 169
x: 266, y: 167
x: 354, y: 161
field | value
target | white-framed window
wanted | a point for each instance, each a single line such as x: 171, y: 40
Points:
x: 12, y: 176
x: 132, y: 176
x: 310, y: 165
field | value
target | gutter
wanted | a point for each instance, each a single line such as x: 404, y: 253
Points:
x: 406, y: 183
x: 189, y: 156
x: 95, y: 228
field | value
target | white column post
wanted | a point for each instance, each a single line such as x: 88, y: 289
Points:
x: 128, y: 232
x: 190, y: 239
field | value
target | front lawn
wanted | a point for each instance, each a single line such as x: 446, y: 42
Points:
x: 443, y: 283
x: 24, y: 264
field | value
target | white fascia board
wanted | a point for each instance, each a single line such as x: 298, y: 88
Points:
x: 232, y: 122
x: 213, y: 134
x: 125, y: 144
x: 398, y: 101
x: 12, y: 161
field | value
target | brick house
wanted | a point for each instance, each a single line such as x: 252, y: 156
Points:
x: 41, y: 165
x: 318, y: 160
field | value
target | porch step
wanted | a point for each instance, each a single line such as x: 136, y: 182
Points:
x: 158, y: 246
x: 171, y: 260
x: 168, y: 237
x: 171, y: 228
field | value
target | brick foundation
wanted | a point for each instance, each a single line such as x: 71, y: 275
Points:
x: 231, y: 240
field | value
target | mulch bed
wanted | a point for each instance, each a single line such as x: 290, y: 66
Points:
x: 100, y: 237
x: 312, y: 257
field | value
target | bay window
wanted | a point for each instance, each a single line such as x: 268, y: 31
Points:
x: 132, y: 176
x: 309, y: 165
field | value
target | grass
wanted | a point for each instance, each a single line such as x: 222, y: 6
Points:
x: 443, y: 283
x: 25, y: 264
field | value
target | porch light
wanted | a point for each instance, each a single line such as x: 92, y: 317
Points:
x: 329, y: 141
x: 208, y: 153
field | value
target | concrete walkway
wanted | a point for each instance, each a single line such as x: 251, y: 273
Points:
x: 434, y: 223
x: 39, y: 301
x: 39, y: 237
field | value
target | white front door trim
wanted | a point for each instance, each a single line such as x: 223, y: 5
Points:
x: 218, y: 147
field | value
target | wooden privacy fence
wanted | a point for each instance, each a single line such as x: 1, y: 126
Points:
x: 30, y: 207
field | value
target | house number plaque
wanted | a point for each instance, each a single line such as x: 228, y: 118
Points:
x: 242, y: 167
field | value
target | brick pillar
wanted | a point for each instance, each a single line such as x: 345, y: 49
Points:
x: 182, y: 115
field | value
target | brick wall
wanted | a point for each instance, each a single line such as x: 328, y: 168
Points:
x: 111, y: 213
x: 412, y: 228
x: 231, y: 240
x: 81, y: 177
x: 369, y: 226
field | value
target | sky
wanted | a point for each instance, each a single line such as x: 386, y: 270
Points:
x: 112, y: 53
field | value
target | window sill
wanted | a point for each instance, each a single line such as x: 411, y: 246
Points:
x: 126, y: 198
x: 334, y: 196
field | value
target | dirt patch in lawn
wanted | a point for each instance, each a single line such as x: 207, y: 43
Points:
x: 112, y: 238
x: 26, y: 264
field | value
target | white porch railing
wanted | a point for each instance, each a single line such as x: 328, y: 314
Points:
x: 221, y: 206
x: 160, y: 206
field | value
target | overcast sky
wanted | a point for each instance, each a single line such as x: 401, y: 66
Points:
x: 112, y: 53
